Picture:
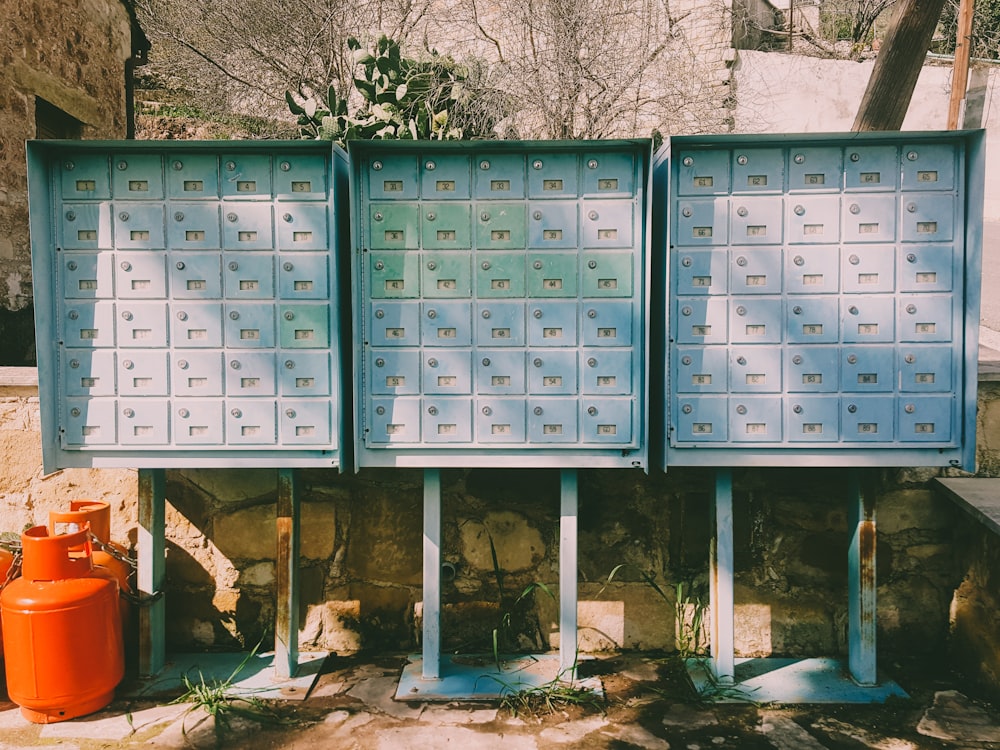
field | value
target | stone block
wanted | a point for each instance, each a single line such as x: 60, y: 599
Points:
x: 234, y: 485
x: 912, y: 509
x: 518, y: 544
x: 317, y: 530
x: 247, y: 533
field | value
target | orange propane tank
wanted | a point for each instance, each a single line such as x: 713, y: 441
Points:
x: 6, y: 560
x: 98, y: 515
x: 61, y: 629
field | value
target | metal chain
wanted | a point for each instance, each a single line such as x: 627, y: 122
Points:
x: 122, y: 558
x: 15, y: 567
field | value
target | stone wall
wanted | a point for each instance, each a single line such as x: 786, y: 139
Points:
x: 361, y: 552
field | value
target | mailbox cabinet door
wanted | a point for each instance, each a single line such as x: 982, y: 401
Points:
x: 607, y: 223
x: 552, y: 275
x: 500, y: 226
x: 393, y: 177
x: 247, y: 226
x: 137, y: 176
x: 702, y: 321
x: 755, y: 419
x: 447, y: 371
x: 703, y: 172
x: 250, y: 422
x: 552, y: 225
x: 607, y: 323
x: 304, y: 326
x: 446, y: 324
x: 446, y: 275
x: 812, y: 320
x: 925, y: 317
x: 500, y: 421
x: 394, y: 275
x: 89, y: 421
x: 552, y: 324
x: 300, y: 177
x: 500, y: 324
x: 191, y: 176
x: 866, y: 419
x: 394, y: 227
x: 86, y: 226
x: 394, y: 323
x: 812, y: 270
x: 145, y: 375
x: 755, y: 320
x: 395, y: 371
x: 871, y: 168
x: 925, y: 268
x: 755, y: 271
x: 812, y: 369
x: 607, y: 274
x: 499, y: 176
x: 925, y: 369
x: 447, y: 420
x: 758, y: 170
x: 250, y: 374
x: 304, y: 277
x: 553, y: 176
x: 928, y: 166
x: 88, y: 276
x: 869, y: 270
x: 249, y: 325
x: 193, y: 226
x: 142, y: 324
x: 606, y: 371
x: 246, y: 176
x: 870, y: 218
x: 552, y: 372
x: 197, y: 374
x: 815, y: 168
x: 89, y: 324
x: 700, y: 419
x: 249, y: 276
x: 500, y: 274
x: 608, y: 174
x: 304, y: 422
x: 700, y: 369
x: 500, y: 372
x: 755, y: 369
x: 925, y: 418
x: 393, y: 420
x: 197, y: 422
x: 443, y: 177
x: 867, y: 319
x: 700, y: 272
x: 138, y: 226
x: 445, y: 226
x: 868, y: 369
x: 302, y: 226
x: 89, y: 372
x: 195, y: 276
x: 607, y: 420
x: 927, y: 217
x: 304, y: 373
x: 756, y: 221
x: 814, y: 219
x: 702, y: 222
x: 141, y: 276
x: 85, y: 177
x: 143, y: 421
x: 812, y: 419
x: 552, y: 420
x: 196, y: 324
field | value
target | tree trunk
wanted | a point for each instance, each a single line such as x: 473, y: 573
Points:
x: 897, y: 67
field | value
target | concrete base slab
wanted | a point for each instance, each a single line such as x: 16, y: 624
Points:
x: 477, y: 678
x: 256, y: 677
x: 775, y: 680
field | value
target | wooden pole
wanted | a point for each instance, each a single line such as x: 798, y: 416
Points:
x: 960, y: 70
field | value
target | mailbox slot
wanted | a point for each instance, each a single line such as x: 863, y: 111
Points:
x: 925, y: 369
x: 300, y: 177
x: 928, y: 166
x: 866, y: 419
x: 867, y: 319
x: 500, y: 226
x: 195, y: 276
x: 500, y: 421
x: 607, y: 323
x: 87, y: 275
x: 196, y: 324
x: 813, y: 219
x: 143, y: 421
x: 758, y: 170
x: 606, y: 274
x: 447, y: 420
x: 89, y: 421
x: 392, y: 177
x: 145, y: 375
x: 89, y: 324
x: 552, y: 275
x: 137, y: 176
x: 608, y: 174
x: 394, y: 324
x: 606, y: 420
x: 89, y: 372
x: 607, y: 223
x: 812, y: 369
x: 445, y: 226
x: 500, y: 371
x: 246, y: 176
x: 393, y: 227
x: 702, y: 321
x: 446, y: 275
x: 85, y: 177
x: 250, y: 422
x: 250, y: 374
x: 393, y: 420
x: 552, y: 225
x: 395, y: 371
x: 552, y: 420
x: 141, y: 276
x: 191, y: 176
x: 197, y: 374
x: 815, y: 169
x: 812, y: 419
x: 552, y: 372
x: 927, y: 217
x: 552, y: 176
x: 700, y: 419
x: 142, y: 324
x: 193, y: 226
x: 812, y: 270
x: 500, y: 274
x: 703, y: 172
x: 700, y: 369
x: 925, y: 317
x: 86, y: 226
x: 868, y: 369
x: 701, y: 222
x: 247, y: 227
x: 249, y: 326
x: 812, y: 320
x: 394, y: 275
x: 756, y: 221
x: 871, y: 168
x: 445, y: 177
x: 302, y: 226
x: 304, y: 277
x: 197, y: 422
x: 138, y: 226
x: 869, y: 219
x: 552, y: 324
x: 755, y: 420
x: 755, y: 369
x: 302, y: 373
x: 606, y: 371
x: 304, y: 422
x: 447, y: 372
x: 500, y: 324
x: 499, y: 176
x: 755, y: 271
x: 248, y: 276
x: 925, y: 418
x: 755, y: 320
x: 925, y: 268
x: 446, y: 324
x: 304, y: 326
x: 700, y: 272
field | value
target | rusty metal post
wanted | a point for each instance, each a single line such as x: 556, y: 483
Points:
x: 286, y: 627
x: 861, y: 580
x: 151, y: 554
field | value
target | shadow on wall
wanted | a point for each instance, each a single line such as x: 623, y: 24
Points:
x: 17, y: 332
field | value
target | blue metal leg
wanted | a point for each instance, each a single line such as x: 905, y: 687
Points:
x: 568, y: 503
x: 286, y: 628
x: 861, y: 582
x: 431, y: 669
x: 721, y: 579
x: 151, y: 568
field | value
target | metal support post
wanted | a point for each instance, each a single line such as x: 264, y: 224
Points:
x: 431, y: 663
x: 568, y: 503
x: 721, y: 579
x: 286, y: 627
x: 861, y: 581
x: 150, y: 550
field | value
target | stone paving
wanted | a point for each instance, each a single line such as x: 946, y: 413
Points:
x: 648, y: 704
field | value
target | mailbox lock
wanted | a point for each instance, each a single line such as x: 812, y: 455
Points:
x: 177, y: 165
x: 852, y: 408
x: 797, y: 409
x: 537, y: 215
x: 71, y: 265
x: 852, y: 359
x: 236, y: 413
x: 536, y: 164
x: 687, y: 409
x: 485, y: 216
x: 287, y: 218
x: 235, y: 364
x: 741, y: 311
x: 798, y: 260
x: 592, y: 164
x: 685, y: 360
x: 688, y: 161
x: 537, y: 265
x: 123, y: 216
x: 432, y: 362
x: 592, y: 411
x: 179, y: 216
x: 73, y: 315
x: 486, y: 314
x: 538, y: 411
x: 232, y: 218
x: 855, y: 156
x: 183, y: 413
x: 379, y: 265
x: 487, y: 410
x: 128, y: 413
x: 741, y: 360
x: 430, y: 166
x: 431, y: 265
x: 537, y: 313
x: 537, y: 362
x: 289, y: 315
x: 122, y: 165
x: 741, y: 409
x: 854, y: 260
x: 909, y: 408
x: 912, y: 155
x: 593, y: 215
x: 484, y: 165
x: 69, y: 166
x: 797, y: 359
x: 853, y: 310
x: 686, y: 310
x: 687, y: 212
x: 431, y: 216
x: 855, y: 208
x: 234, y: 315
x: 741, y: 260
x: 180, y: 265
x: 799, y: 210
x: 74, y: 412
x: 911, y: 309
x: 380, y: 314
x: 911, y: 258
x: 432, y: 314
x: 742, y: 211
x: 284, y: 166
x: 486, y: 361
x: 74, y: 363
x: 377, y: 216
x: 288, y: 266
x: 911, y: 207
x: 127, y: 315
x: 591, y: 313
x: 380, y: 410
x: 230, y: 166
x: 486, y: 265
x: 592, y: 264
x: 377, y: 166
x: 797, y: 309
x: 290, y: 413
x: 742, y: 160
x: 234, y: 266
x: 591, y: 362
x: 126, y: 266
x: 799, y: 158
x: 182, y: 315
x: 686, y: 262
x: 910, y: 359
x: 289, y: 364
x: 182, y: 364
x: 432, y: 410
x: 380, y: 362
x: 71, y: 215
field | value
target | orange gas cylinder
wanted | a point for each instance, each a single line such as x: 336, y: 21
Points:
x: 61, y: 629
x: 98, y: 515
x: 6, y: 560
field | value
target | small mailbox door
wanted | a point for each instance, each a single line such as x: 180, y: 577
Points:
x: 196, y: 324
x: 303, y: 373
x: 812, y: 270
x: 500, y: 274
x: 702, y: 222
x: 395, y: 324
x: 928, y: 166
x: 302, y: 226
x: 143, y: 421
x: 447, y: 372
x: 500, y: 226
x: 142, y: 324
x: 552, y: 324
x: 395, y: 371
x: 141, y: 276
x: 191, y: 176
x: 812, y: 419
x: 137, y: 176
x: 608, y: 174
x: 393, y: 227
x: 607, y: 323
x: 925, y: 317
x: 197, y: 422
x: 812, y: 369
x: 89, y: 372
x: 702, y: 321
x: 925, y: 418
x: 85, y: 177
x: 703, y: 173
x: 606, y: 371
x: 499, y: 176
x: 607, y: 274
x: 869, y: 219
x: 814, y: 220
x: 755, y: 369
x: 500, y: 324
x: 552, y: 372
x: 926, y: 369
x: 866, y: 419
x: 869, y: 270
x: 812, y: 320
x: 867, y: 319
x: 247, y: 226
x: 446, y: 275
x: 756, y: 221
x: 446, y: 226
x: 304, y: 277
x: 250, y: 374
x: 246, y: 176
x: 195, y: 276
x: 553, y: 176
x: 300, y: 177
x: 89, y: 324
x: 552, y: 225
x: 86, y: 226
x: 925, y: 268
x: 815, y: 169
x: 755, y: 271
x: 758, y: 170
x: 304, y: 326
x: 700, y: 419
x: 607, y: 223
x: 250, y: 422
x: 552, y: 275
x: 393, y: 420
x: 868, y: 369
x: 697, y: 272
x: 88, y: 276
x: 500, y: 421
x: 755, y: 320
x: 606, y: 420
x: 755, y: 419
x: 700, y: 369
x: 89, y: 421
x: 138, y: 226
x: 446, y: 324
x: 248, y: 276
x: 145, y: 375
x: 394, y: 275
x: 193, y: 226
x: 447, y: 420
x: 393, y: 177
x: 927, y: 217
x: 445, y: 177
x: 871, y: 168
x: 552, y: 420
x: 249, y: 325
x: 500, y: 372
x: 304, y: 422
x: 197, y: 374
